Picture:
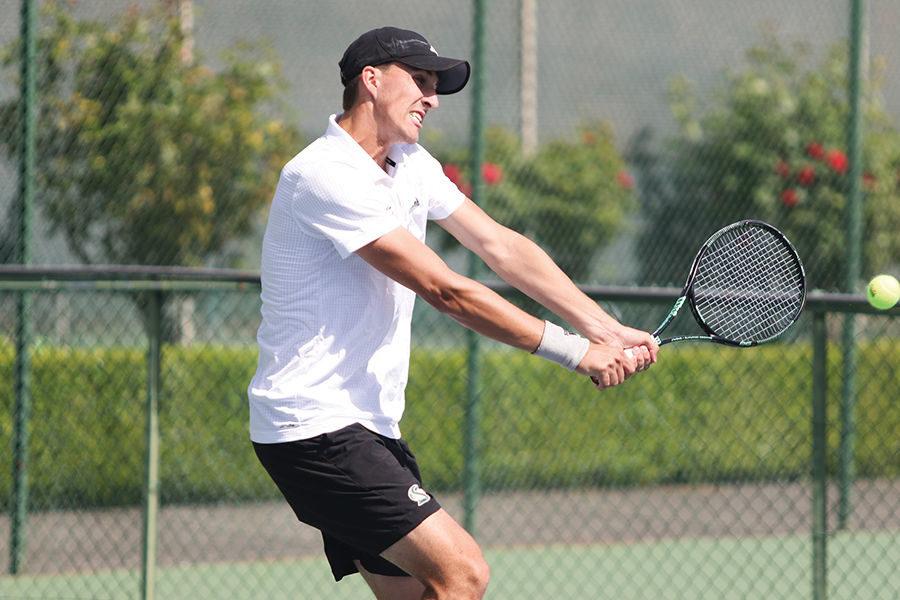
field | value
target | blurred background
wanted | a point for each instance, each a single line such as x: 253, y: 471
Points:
x: 140, y: 144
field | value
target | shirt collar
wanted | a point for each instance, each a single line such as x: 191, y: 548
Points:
x: 353, y: 151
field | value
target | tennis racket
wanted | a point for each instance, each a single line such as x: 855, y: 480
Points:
x: 746, y: 287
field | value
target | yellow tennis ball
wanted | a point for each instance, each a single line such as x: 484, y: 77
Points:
x: 883, y: 291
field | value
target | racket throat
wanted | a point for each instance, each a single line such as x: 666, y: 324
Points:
x: 675, y: 308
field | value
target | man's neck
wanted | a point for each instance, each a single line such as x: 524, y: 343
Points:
x: 360, y: 125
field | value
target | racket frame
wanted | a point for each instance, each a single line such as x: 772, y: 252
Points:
x: 687, y: 293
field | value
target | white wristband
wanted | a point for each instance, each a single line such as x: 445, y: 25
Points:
x: 562, y: 347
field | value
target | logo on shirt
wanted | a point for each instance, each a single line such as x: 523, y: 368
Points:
x: 417, y: 494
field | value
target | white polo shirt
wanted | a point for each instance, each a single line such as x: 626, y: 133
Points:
x: 335, y: 334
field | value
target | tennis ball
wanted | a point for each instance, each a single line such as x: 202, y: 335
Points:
x: 883, y: 291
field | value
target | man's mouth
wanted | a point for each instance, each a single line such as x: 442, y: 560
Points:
x: 417, y: 118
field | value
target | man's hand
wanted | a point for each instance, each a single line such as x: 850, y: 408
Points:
x: 614, y: 334
x: 607, y: 365
x: 642, y: 345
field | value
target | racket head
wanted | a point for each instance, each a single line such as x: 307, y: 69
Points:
x: 747, y: 285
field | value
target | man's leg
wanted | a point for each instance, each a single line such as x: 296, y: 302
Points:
x: 441, y: 555
x: 339, y: 483
x: 389, y: 587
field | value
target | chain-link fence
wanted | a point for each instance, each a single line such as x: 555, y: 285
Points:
x: 618, y: 134
x: 685, y: 483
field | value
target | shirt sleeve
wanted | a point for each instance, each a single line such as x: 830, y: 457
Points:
x: 444, y: 196
x: 339, y: 204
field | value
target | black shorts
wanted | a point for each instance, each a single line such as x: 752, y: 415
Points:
x: 360, y: 489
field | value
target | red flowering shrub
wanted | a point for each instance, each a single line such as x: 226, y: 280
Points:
x: 815, y: 150
x: 783, y: 169
x: 790, y: 197
x: 771, y: 145
x: 625, y: 179
x: 806, y: 176
x: 453, y: 173
x: 571, y: 196
x: 837, y: 161
x: 491, y: 173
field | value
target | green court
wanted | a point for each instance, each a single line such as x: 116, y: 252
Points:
x: 771, y: 568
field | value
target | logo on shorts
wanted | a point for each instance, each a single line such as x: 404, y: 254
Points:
x: 417, y: 495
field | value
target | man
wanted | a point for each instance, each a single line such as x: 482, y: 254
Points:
x: 343, y: 259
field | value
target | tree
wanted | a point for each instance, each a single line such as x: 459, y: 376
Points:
x: 571, y: 196
x: 145, y: 158
x: 772, y: 146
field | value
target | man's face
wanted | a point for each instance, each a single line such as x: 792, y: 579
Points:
x: 405, y: 97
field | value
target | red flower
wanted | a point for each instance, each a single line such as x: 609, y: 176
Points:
x: 815, y: 150
x: 491, y: 173
x: 806, y: 176
x: 783, y: 169
x: 837, y: 160
x: 869, y: 180
x: 453, y: 173
x: 625, y: 180
x: 790, y: 198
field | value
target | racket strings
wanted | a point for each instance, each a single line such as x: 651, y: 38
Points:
x: 749, y: 285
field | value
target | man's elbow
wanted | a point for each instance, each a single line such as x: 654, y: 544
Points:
x: 500, y: 251
x: 448, y: 296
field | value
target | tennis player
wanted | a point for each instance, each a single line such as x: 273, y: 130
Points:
x: 343, y: 259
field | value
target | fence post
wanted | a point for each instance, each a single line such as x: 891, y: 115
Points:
x: 819, y: 450
x: 22, y: 376
x: 151, y: 457
x: 857, y: 62
x: 471, y: 434
x: 528, y: 80
x: 21, y: 419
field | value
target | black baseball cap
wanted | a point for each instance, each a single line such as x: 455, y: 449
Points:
x: 390, y: 44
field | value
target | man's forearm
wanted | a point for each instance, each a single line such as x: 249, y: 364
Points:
x: 482, y: 310
x: 524, y: 265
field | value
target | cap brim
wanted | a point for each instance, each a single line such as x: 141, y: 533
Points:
x: 453, y: 73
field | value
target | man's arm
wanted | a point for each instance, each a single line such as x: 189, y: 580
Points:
x: 406, y: 260
x: 524, y: 265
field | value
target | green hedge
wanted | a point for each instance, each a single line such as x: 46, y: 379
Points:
x: 701, y: 414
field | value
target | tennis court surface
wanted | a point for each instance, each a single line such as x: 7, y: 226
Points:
x: 749, y: 541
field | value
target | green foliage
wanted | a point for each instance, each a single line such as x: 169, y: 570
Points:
x: 772, y: 146
x: 146, y: 157
x: 542, y: 427
x: 571, y: 196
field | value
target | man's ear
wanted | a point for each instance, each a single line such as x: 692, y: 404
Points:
x: 370, y: 77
